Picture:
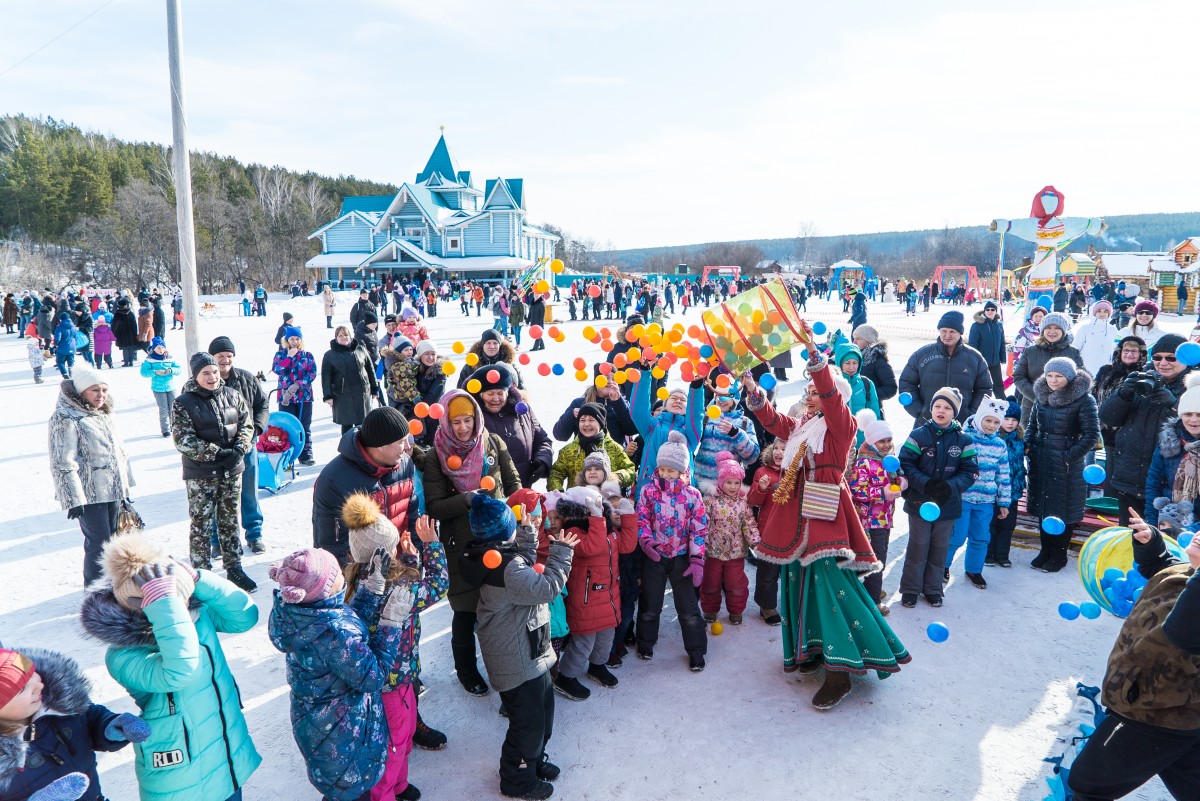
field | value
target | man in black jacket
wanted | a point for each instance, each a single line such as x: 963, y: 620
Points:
x: 947, y: 362
x: 248, y: 387
x: 987, y: 337
x: 1137, y: 411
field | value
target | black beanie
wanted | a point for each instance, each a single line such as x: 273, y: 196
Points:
x: 490, y: 335
x: 381, y: 427
x: 370, y: 317
x: 595, y: 410
x: 221, y: 345
x: 504, y: 377
x: 199, y: 361
x: 1167, y: 343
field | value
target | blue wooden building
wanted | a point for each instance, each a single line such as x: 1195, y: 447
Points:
x: 439, y: 223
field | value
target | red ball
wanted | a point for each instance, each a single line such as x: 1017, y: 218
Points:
x: 594, y: 291
x: 538, y: 567
x: 493, y: 376
x: 543, y: 369
x: 524, y: 358
x: 535, y: 331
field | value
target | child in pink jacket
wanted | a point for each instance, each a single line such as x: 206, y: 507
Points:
x: 731, y: 534
x: 102, y: 341
x: 875, y: 491
x: 672, y: 524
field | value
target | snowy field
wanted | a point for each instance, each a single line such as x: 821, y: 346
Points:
x: 971, y: 718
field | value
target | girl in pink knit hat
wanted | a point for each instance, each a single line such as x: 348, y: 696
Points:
x: 732, y: 532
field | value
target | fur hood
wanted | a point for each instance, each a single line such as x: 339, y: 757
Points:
x: 71, y: 403
x: 1171, y: 438
x: 506, y: 353
x: 106, y: 620
x: 1079, y: 386
x: 982, y: 320
x: 66, y: 692
x: 874, y: 353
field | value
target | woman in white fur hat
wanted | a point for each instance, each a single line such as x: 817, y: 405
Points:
x: 88, y: 462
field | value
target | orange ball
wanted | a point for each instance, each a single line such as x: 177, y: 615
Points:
x: 607, y: 346
x: 538, y: 567
x: 436, y: 411
x: 421, y: 409
x: 633, y: 374
x: 723, y: 380
x: 579, y: 363
x: 415, y: 427
x: 491, y: 559
x: 454, y: 462
x: 554, y: 331
x: 605, y: 368
x: 620, y: 360
x: 487, y: 483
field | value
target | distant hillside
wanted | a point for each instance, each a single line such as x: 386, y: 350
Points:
x: 894, y: 252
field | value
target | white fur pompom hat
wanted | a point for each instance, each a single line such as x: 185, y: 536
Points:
x: 125, y: 555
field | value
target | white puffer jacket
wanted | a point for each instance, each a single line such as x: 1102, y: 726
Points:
x: 87, y: 457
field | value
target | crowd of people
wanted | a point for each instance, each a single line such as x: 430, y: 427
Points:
x: 556, y: 560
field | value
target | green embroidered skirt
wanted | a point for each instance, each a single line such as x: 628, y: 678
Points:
x: 828, y: 615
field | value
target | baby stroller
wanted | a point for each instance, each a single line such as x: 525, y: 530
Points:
x: 278, y: 449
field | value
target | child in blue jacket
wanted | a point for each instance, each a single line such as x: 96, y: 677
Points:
x: 64, y: 345
x: 1003, y: 527
x: 338, y: 659
x: 50, y: 729
x: 938, y: 460
x: 991, y: 493
x: 161, y: 369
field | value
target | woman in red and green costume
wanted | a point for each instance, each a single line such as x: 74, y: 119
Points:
x: 828, y: 618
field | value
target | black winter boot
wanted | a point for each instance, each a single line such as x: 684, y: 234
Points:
x: 468, y: 670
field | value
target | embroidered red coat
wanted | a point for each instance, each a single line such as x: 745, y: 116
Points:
x: 785, y: 536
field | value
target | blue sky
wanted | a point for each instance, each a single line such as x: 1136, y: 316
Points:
x: 661, y: 122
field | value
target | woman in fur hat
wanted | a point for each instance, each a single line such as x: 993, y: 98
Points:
x: 160, y: 620
x: 88, y: 462
x: 50, y: 729
x: 1064, y: 426
x: 823, y: 559
x: 1053, y: 341
x: 465, y: 457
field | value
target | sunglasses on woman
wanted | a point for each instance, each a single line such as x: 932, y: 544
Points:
x: 1163, y: 357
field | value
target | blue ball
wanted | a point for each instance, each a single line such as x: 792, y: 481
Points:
x: 1185, y: 539
x: 819, y: 328
x: 938, y: 632
x: 557, y: 369
x: 1068, y: 611
x: 1188, y: 353
x: 930, y: 511
x: 1110, y: 595
x: 1112, y: 574
x: 1121, y: 588
x: 1094, y: 474
x: 905, y: 398
x: 804, y: 354
x: 1055, y: 526
x: 521, y: 407
x: 1089, y: 610
x: 706, y: 351
x: 767, y: 382
x: 1137, y: 594
x: 891, y: 463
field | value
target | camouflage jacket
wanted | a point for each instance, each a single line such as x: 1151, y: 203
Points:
x: 225, y: 423
x: 1153, y: 671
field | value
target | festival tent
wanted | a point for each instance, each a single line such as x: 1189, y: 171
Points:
x: 859, y: 273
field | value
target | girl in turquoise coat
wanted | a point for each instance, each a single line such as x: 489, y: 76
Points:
x: 160, y: 619
x: 162, y: 370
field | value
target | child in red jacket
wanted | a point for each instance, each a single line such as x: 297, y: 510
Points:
x: 732, y: 532
x: 593, y: 596
x: 766, y: 574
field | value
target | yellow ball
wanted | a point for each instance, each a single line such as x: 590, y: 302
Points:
x: 894, y: 487
x: 717, y: 628
x: 581, y: 375
x: 713, y: 412
x: 458, y: 347
x: 662, y: 393
x: 541, y: 287
x: 658, y: 372
x: 589, y: 332
x: 557, y: 266
x: 474, y: 386
x: 471, y: 359
x: 516, y: 510
x: 448, y: 368
x: 601, y: 382
x: 619, y: 376
x: 633, y: 354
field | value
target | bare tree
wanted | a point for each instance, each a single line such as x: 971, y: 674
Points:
x: 806, y: 241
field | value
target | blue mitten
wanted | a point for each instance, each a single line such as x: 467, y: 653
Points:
x: 127, y: 727
x: 67, y: 788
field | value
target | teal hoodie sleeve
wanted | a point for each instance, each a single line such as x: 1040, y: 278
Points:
x: 176, y: 662
x: 230, y: 608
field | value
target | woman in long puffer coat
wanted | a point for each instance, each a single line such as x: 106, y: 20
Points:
x: 1129, y: 357
x: 348, y: 381
x: 125, y: 328
x: 1064, y: 425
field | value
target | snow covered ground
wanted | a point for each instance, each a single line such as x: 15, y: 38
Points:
x: 971, y: 718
